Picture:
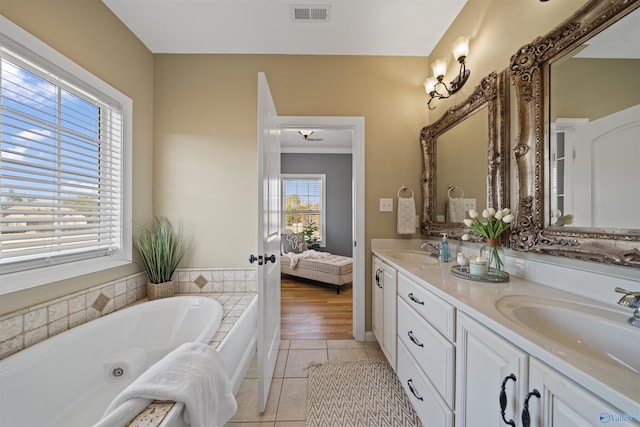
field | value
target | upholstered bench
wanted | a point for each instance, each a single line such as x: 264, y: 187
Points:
x: 318, y: 266
x: 335, y: 269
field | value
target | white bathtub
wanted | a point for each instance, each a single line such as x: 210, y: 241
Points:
x: 69, y: 379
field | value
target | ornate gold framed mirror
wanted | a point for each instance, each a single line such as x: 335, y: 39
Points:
x: 466, y: 151
x: 577, y: 147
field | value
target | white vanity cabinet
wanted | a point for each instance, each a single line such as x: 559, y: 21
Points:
x: 384, y: 308
x: 485, y: 363
x: 426, y: 352
x: 463, y: 366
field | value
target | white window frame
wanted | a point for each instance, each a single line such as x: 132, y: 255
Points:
x: 322, y: 227
x: 15, y: 39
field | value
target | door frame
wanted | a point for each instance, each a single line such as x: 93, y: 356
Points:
x: 356, y: 125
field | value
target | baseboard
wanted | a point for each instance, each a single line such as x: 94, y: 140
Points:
x: 369, y: 336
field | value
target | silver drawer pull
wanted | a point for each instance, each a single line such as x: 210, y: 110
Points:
x: 414, y: 299
x: 413, y: 390
x: 414, y: 339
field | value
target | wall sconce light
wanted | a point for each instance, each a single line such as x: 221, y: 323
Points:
x: 435, y: 86
x: 305, y: 133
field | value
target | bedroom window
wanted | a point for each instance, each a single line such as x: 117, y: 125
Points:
x: 304, y: 205
x: 64, y: 148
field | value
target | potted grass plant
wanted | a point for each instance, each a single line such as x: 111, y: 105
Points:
x: 161, y: 247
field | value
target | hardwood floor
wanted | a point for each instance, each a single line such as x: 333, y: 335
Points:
x: 311, y: 310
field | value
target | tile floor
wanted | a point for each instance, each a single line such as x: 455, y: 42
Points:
x: 287, y: 399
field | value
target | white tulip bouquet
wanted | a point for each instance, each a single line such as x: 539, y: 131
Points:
x: 497, y: 223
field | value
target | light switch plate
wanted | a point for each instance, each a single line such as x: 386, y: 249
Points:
x: 386, y: 205
x: 469, y: 204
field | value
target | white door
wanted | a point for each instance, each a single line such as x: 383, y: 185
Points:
x: 605, y: 156
x: 268, y: 240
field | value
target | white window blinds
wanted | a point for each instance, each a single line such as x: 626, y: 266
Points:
x: 61, y: 168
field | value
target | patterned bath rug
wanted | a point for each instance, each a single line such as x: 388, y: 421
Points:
x: 362, y: 393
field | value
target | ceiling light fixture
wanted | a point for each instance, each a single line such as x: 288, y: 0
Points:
x: 305, y: 133
x: 435, y: 86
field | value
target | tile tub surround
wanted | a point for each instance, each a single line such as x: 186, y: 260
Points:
x: 29, y: 326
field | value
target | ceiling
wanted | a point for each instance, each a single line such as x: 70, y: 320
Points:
x: 351, y: 27
x: 616, y: 42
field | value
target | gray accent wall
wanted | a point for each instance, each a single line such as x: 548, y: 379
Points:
x: 338, y: 169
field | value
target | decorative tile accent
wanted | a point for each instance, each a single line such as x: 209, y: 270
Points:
x: 101, y: 302
x: 222, y: 280
x: 201, y: 281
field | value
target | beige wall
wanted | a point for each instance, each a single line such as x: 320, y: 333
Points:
x: 89, y: 34
x: 204, y: 123
x: 593, y: 88
x: 205, y: 132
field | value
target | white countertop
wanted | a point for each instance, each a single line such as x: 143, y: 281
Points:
x: 617, y: 385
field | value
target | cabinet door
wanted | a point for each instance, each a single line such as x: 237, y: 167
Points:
x: 390, y: 297
x: 484, y: 361
x: 384, y: 290
x: 377, y: 300
x: 563, y: 403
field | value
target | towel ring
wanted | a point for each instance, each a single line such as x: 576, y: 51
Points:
x: 405, y: 188
x: 454, y: 188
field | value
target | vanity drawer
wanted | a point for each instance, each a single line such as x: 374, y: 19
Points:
x: 434, y: 309
x: 433, y: 352
x: 430, y: 408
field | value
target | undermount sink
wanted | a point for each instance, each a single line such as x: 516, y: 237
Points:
x: 593, y: 331
x: 416, y: 257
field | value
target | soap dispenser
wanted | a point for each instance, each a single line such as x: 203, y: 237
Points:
x: 444, y: 249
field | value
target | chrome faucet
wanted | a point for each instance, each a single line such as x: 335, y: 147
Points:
x: 435, y: 249
x: 631, y: 300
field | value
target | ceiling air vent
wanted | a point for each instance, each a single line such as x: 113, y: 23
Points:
x: 310, y: 13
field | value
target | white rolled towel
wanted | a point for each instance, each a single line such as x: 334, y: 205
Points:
x: 193, y: 374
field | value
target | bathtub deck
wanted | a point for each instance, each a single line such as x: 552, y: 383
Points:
x: 233, y: 304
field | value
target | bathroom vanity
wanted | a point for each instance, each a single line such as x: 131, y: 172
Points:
x: 517, y: 353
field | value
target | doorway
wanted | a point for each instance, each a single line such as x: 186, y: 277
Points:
x: 353, y: 128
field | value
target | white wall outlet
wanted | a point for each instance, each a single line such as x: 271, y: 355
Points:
x: 386, y: 205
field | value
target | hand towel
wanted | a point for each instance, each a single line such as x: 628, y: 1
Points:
x: 193, y: 374
x: 406, y: 215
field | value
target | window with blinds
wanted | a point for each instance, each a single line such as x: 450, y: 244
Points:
x: 61, y: 166
x: 304, y: 206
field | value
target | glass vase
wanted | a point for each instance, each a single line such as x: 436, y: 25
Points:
x: 494, y: 254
